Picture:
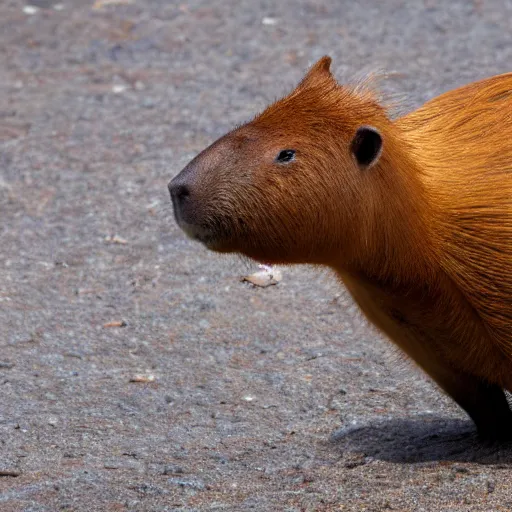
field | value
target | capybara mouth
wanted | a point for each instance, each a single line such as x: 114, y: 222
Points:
x: 212, y: 238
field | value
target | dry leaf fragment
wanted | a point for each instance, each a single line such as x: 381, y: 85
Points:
x: 142, y: 378
x: 99, y: 4
x: 115, y: 239
x: 115, y: 323
x: 264, y: 277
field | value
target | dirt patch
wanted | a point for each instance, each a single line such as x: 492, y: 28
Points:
x: 137, y: 372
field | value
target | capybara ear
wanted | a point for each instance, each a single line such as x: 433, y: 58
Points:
x: 366, y: 146
x: 318, y: 72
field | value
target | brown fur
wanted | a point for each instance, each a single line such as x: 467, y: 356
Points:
x: 422, y: 239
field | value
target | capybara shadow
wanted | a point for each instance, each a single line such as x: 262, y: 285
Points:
x: 426, y: 439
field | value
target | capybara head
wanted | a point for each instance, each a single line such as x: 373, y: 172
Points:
x: 294, y: 184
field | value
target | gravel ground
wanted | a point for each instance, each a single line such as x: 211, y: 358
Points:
x: 137, y: 372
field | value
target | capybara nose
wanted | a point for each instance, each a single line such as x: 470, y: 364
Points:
x: 179, y: 194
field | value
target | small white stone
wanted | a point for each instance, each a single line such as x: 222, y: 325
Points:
x: 30, y: 9
x: 58, y: 7
x: 119, y: 88
x: 248, y: 398
x: 269, y: 21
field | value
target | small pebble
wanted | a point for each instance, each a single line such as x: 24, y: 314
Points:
x: 30, y: 9
x: 148, y: 103
x: 119, y: 88
x: 194, y: 484
x: 172, y: 469
x: 269, y: 21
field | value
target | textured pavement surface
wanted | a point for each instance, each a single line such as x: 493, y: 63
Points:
x: 136, y: 371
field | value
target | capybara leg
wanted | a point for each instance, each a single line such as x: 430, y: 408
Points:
x: 485, y: 403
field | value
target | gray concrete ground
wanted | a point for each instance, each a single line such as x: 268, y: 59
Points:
x: 244, y: 399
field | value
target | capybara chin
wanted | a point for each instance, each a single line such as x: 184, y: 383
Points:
x: 414, y: 215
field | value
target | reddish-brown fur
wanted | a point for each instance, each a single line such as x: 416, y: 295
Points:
x: 422, y: 238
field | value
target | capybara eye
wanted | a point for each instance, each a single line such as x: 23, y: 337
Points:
x: 286, y: 155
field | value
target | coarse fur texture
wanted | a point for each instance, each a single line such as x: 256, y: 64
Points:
x: 413, y: 214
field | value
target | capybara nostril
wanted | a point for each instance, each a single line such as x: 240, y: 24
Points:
x: 179, y: 193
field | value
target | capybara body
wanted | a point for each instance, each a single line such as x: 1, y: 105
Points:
x: 414, y: 215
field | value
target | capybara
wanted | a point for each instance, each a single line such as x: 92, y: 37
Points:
x: 413, y: 214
